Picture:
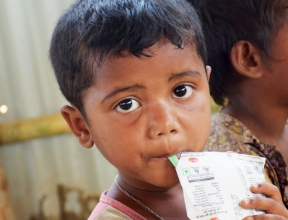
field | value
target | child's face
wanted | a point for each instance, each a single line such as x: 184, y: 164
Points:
x: 142, y: 110
x: 278, y: 66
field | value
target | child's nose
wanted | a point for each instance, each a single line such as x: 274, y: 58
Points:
x: 162, y: 120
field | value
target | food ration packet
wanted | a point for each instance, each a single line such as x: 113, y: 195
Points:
x: 215, y: 182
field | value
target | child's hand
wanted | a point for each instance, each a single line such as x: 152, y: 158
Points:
x: 272, y: 204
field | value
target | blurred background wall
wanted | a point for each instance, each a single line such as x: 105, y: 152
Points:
x: 52, y: 177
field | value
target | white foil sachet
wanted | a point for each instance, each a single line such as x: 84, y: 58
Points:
x: 215, y: 182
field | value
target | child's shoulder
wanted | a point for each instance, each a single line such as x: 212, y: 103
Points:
x: 229, y: 134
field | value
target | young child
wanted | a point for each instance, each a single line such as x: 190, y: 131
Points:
x: 247, y: 43
x: 134, y: 73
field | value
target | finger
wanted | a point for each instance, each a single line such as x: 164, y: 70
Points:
x: 268, y: 205
x: 268, y: 189
x: 265, y: 217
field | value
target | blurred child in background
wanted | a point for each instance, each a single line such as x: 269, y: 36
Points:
x: 247, y: 44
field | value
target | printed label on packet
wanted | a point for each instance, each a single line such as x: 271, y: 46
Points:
x: 215, y: 182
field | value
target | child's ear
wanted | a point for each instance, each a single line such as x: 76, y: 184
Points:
x: 77, y: 125
x: 246, y: 59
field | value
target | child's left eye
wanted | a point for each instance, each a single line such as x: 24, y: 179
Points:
x: 127, y: 105
x: 182, y: 91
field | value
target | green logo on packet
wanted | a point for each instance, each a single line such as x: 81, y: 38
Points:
x: 186, y: 171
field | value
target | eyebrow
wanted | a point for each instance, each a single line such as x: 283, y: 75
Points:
x: 186, y: 73
x: 138, y: 86
x: 116, y: 91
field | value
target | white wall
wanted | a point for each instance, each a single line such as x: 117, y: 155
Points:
x: 51, y: 178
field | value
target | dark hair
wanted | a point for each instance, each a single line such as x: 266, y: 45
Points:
x: 92, y: 31
x: 225, y: 22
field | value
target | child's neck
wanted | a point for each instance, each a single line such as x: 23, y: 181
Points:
x: 158, y: 201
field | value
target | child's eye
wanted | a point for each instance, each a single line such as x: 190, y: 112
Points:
x: 182, y: 91
x: 127, y: 105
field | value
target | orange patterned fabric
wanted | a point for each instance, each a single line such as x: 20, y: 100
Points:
x: 229, y: 134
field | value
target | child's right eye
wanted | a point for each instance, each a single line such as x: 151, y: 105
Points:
x: 127, y: 105
x: 183, y: 91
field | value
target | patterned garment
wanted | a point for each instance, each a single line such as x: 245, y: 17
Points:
x: 229, y: 134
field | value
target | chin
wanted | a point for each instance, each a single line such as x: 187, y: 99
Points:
x: 167, y: 182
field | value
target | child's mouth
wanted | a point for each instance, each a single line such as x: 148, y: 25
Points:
x: 165, y: 156
x: 174, y: 159
x: 179, y: 154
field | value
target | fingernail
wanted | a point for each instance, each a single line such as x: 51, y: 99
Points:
x: 255, y: 186
x: 246, y: 201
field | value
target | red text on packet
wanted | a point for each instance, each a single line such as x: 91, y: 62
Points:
x: 193, y: 159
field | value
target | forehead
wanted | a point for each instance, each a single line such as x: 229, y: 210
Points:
x: 153, y: 56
